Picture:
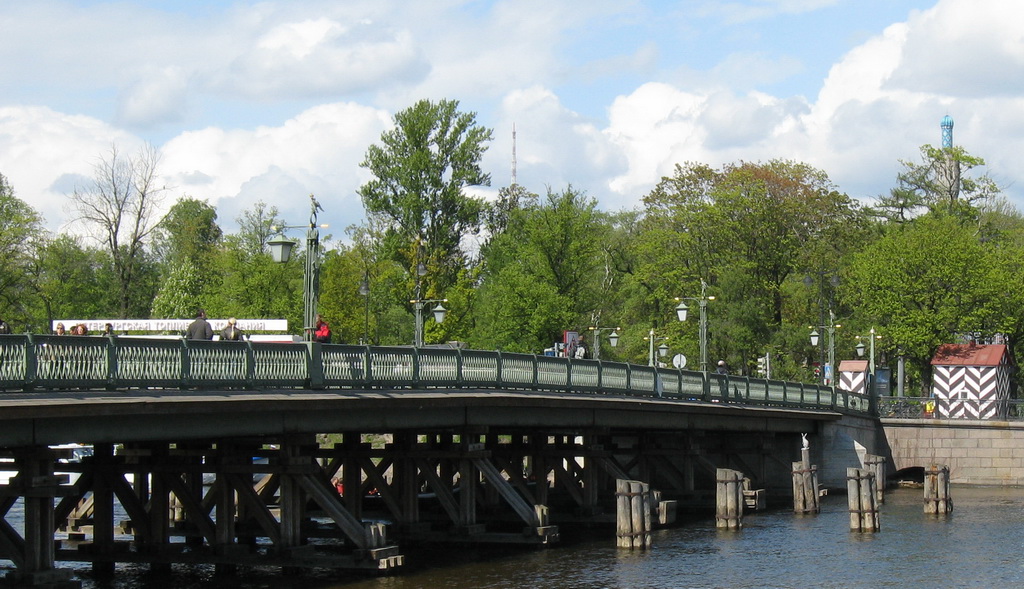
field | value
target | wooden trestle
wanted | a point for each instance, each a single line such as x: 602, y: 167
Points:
x: 270, y: 502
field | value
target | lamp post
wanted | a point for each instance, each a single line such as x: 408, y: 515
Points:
x: 662, y: 349
x: 860, y: 348
x: 439, y: 314
x: 418, y: 304
x: 613, y: 338
x: 681, y: 312
x: 830, y: 330
x: 364, y: 291
x: 281, y: 251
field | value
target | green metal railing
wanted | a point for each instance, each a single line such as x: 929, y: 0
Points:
x: 34, y: 362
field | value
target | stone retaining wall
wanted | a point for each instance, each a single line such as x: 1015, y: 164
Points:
x: 977, y: 452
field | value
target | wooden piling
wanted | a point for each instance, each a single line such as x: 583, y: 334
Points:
x: 632, y: 514
x: 729, y: 499
x: 805, y: 488
x: 860, y: 486
x: 876, y: 464
x: 937, y: 500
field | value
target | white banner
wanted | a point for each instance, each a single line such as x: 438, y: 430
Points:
x: 96, y: 326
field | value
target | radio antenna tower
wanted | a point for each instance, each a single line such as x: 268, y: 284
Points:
x: 513, y: 154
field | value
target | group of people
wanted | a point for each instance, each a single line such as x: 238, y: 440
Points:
x: 201, y: 329
x: 82, y: 329
x: 79, y: 329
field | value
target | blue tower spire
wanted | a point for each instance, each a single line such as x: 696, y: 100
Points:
x: 947, y: 132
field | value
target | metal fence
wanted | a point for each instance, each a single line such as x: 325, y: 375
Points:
x: 31, y: 362
x: 939, y: 408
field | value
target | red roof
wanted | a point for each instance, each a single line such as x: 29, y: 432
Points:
x: 853, y: 366
x: 970, y: 355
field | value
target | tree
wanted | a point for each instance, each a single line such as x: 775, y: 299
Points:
x: 928, y: 283
x: 69, y: 280
x: 939, y: 182
x: 19, y: 226
x: 121, y: 206
x: 542, y: 275
x: 420, y: 170
x: 188, y: 231
x: 745, y: 229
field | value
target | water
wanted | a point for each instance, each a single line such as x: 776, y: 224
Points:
x: 977, y: 546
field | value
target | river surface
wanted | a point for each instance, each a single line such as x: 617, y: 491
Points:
x: 979, y: 545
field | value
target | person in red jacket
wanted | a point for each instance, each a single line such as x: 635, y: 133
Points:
x: 322, y: 331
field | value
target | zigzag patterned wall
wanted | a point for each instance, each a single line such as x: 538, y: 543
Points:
x: 855, y: 382
x: 970, y: 392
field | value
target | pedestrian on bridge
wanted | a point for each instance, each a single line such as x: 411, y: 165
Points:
x: 231, y: 333
x: 5, y: 329
x: 200, y: 328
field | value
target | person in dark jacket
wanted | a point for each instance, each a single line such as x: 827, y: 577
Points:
x: 231, y: 333
x: 5, y: 329
x: 200, y: 328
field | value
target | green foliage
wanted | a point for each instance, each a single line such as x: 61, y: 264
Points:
x: 420, y: 172
x: 542, y: 273
x: 938, y: 183
x: 180, y: 293
x: 19, y: 226
x: 69, y: 280
x: 928, y: 283
x: 189, y: 231
x: 746, y: 230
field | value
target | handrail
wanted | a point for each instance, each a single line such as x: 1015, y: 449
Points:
x: 34, y: 362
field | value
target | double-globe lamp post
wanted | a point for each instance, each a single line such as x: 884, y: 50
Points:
x: 418, y: 304
x: 829, y: 369
x: 281, y: 251
x: 860, y: 349
x: 682, y: 311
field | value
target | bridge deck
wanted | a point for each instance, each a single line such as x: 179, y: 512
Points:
x: 55, y: 417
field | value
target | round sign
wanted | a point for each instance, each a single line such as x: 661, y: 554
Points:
x: 679, y: 361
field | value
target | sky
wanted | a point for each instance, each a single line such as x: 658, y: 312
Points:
x: 274, y: 100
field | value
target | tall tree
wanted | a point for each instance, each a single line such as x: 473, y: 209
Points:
x: 940, y: 181
x: 929, y: 283
x: 421, y: 170
x: 189, y: 230
x: 19, y: 226
x: 69, y: 280
x: 543, y: 274
x: 121, y: 207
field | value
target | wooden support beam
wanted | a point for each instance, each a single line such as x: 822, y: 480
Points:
x: 254, y: 506
x: 524, y: 510
x: 196, y: 513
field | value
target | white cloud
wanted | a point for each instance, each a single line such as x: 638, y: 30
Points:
x: 236, y: 95
x: 44, y: 152
x: 317, y: 151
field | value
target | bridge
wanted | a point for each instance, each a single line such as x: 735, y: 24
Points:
x: 223, y: 452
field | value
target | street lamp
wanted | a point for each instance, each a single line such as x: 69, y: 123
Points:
x: 439, y: 314
x: 364, y: 291
x: 662, y: 349
x: 613, y: 338
x: 830, y: 330
x: 681, y: 312
x: 860, y: 348
x: 281, y: 251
